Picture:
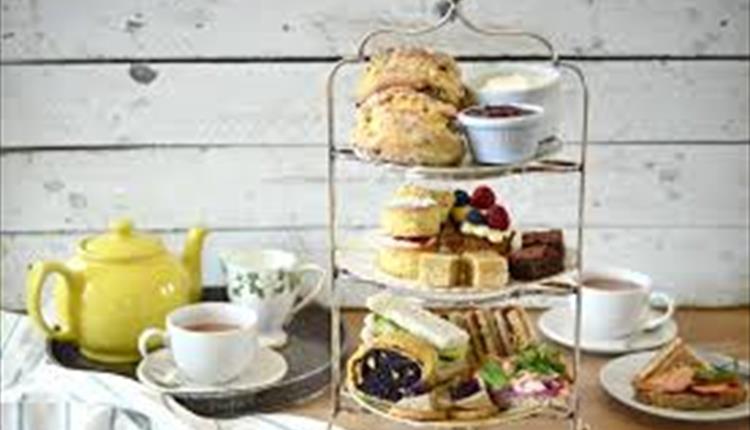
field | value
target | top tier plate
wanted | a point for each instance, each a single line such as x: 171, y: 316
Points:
x: 542, y: 161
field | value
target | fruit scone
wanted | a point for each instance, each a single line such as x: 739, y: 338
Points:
x: 402, y: 126
x: 433, y: 73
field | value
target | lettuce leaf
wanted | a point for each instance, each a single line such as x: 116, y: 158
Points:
x: 540, y: 359
x: 493, y: 375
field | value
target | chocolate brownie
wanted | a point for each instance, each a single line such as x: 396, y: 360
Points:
x: 535, y: 262
x: 553, y: 238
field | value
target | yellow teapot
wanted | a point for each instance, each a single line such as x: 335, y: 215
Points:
x: 117, y: 285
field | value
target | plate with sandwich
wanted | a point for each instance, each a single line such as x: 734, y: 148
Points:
x: 467, y: 368
x: 677, y: 383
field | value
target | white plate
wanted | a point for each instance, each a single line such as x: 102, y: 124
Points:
x: 617, y: 375
x: 159, y: 371
x: 557, y: 325
x: 358, y: 258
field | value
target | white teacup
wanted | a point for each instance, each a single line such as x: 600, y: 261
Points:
x: 270, y: 283
x: 616, y: 303
x: 210, y: 342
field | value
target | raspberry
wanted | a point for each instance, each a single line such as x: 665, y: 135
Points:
x: 483, y: 197
x: 462, y: 198
x: 498, y: 218
x: 475, y: 217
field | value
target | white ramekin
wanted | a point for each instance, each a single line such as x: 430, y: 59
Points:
x: 547, y: 94
x: 503, y: 140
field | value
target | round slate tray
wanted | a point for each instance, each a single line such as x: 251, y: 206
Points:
x: 307, y: 353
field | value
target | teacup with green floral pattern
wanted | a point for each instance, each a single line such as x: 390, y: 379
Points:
x: 272, y: 283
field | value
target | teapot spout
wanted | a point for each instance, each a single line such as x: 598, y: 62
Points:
x: 192, y: 259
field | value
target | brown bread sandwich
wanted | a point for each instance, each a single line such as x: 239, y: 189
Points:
x: 496, y: 332
x: 676, y: 378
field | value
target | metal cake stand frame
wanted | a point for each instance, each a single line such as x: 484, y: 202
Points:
x: 451, y: 14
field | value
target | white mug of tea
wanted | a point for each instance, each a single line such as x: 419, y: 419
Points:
x: 270, y: 282
x: 617, y: 303
x: 210, y: 342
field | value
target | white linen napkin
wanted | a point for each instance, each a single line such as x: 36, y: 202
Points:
x: 50, y: 385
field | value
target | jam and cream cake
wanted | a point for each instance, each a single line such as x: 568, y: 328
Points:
x: 411, y: 217
x: 443, y: 198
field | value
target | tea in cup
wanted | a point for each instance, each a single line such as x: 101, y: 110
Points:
x: 617, y: 303
x: 211, y: 343
x: 270, y: 282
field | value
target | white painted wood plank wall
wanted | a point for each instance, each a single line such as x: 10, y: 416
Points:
x: 233, y: 116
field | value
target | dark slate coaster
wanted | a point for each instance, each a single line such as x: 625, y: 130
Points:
x: 307, y: 353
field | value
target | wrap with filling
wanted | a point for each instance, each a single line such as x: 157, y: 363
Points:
x: 392, y: 367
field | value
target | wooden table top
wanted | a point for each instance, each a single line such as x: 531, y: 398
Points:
x: 723, y: 330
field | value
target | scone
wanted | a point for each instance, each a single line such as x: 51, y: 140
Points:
x: 439, y: 270
x: 409, y: 217
x: 402, y: 126
x: 433, y: 73
x: 443, y: 198
x: 401, y: 258
x: 486, y: 269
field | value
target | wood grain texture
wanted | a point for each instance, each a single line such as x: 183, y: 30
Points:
x: 218, y: 104
x: 50, y: 29
x: 252, y: 187
x: 697, y: 265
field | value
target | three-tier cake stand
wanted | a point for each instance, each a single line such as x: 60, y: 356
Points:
x: 452, y: 13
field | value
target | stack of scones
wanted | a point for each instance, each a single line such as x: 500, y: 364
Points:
x: 407, y: 101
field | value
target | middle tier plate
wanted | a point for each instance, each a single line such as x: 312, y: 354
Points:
x: 358, y: 258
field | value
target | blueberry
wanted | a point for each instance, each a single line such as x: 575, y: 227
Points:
x: 462, y: 198
x: 475, y: 217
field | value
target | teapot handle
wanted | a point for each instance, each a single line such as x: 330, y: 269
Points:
x: 35, y: 282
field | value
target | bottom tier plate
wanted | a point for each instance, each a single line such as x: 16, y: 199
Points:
x: 512, y: 415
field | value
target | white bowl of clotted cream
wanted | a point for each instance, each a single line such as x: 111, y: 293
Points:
x: 528, y: 84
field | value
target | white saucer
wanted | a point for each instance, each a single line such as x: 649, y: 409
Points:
x: 616, y: 377
x: 273, y: 340
x: 557, y: 325
x: 159, y: 371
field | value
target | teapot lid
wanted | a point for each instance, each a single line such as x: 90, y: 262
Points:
x: 121, y: 242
